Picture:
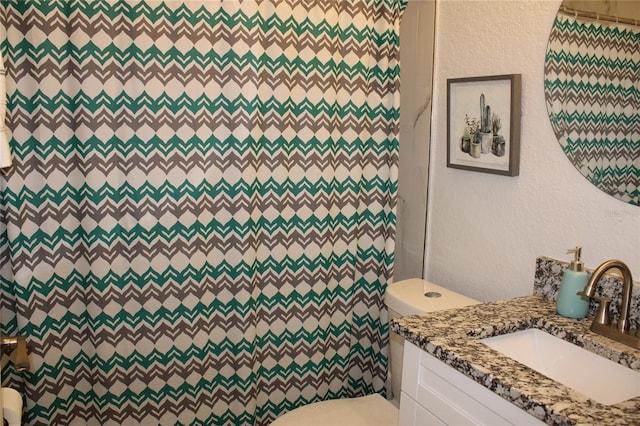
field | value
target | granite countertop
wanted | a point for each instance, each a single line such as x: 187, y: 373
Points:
x: 453, y: 336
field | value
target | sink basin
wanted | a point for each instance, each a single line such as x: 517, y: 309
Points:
x: 585, y: 372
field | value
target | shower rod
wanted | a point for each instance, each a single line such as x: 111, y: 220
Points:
x: 598, y: 16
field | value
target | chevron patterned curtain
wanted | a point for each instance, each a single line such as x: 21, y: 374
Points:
x: 198, y: 226
x: 592, y: 88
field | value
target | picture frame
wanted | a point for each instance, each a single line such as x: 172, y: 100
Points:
x: 483, y: 124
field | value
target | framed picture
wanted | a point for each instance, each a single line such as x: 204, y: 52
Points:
x: 483, y: 124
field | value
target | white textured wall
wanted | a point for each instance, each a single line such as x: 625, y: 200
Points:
x: 485, y: 231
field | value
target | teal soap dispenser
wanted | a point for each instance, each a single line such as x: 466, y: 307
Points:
x: 570, y: 304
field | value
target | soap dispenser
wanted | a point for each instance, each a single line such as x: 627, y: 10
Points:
x: 570, y: 304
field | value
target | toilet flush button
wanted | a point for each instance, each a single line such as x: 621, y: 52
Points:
x: 433, y: 294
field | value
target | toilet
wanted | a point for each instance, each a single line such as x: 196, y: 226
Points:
x: 408, y: 297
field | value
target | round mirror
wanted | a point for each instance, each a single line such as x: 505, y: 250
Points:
x: 592, y: 91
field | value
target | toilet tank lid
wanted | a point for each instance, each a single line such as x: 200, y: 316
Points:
x: 407, y: 297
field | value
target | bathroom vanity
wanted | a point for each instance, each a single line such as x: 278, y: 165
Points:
x: 457, y: 372
x: 434, y: 393
x: 452, y: 377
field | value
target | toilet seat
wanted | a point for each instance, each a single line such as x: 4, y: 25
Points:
x: 370, y: 410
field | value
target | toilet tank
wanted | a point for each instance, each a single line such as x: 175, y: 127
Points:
x: 409, y: 297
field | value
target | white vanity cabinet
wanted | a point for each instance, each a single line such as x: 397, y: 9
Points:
x: 434, y: 393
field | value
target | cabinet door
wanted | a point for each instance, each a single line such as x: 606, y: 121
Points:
x: 452, y: 397
x: 412, y: 413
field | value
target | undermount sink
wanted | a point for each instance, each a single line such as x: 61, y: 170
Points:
x: 585, y: 372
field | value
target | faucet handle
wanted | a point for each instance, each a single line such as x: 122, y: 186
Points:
x: 602, y: 316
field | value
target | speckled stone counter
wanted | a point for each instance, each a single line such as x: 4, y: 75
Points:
x: 453, y: 336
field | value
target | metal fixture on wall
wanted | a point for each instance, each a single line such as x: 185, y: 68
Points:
x: 16, y: 346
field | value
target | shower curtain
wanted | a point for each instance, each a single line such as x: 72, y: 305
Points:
x: 198, y: 227
x: 592, y: 88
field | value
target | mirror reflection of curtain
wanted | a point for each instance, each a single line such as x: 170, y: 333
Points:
x: 592, y: 87
x: 201, y: 212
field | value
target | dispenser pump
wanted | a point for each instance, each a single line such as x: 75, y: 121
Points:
x: 576, y: 264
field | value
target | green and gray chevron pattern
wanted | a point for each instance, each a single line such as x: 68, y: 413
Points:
x: 592, y: 88
x: 199, y: 225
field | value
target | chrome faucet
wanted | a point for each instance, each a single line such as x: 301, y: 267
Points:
x: 601, y: 323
